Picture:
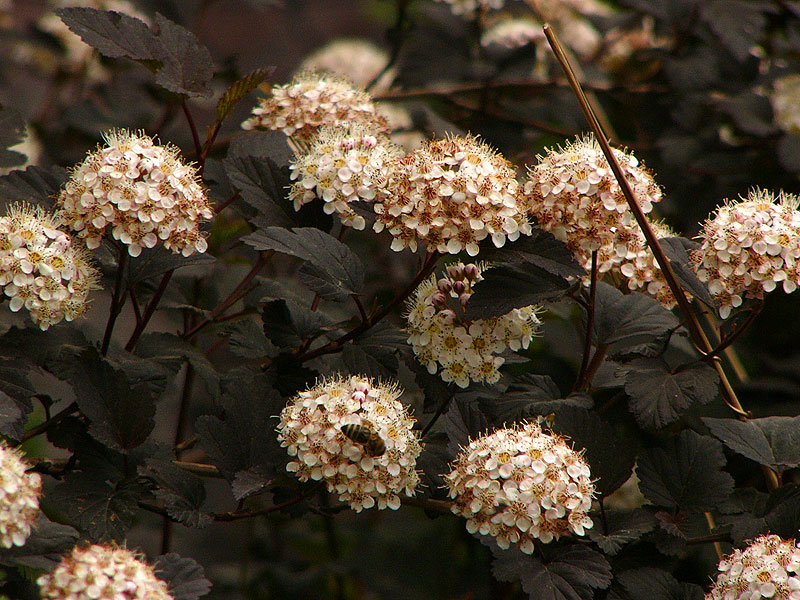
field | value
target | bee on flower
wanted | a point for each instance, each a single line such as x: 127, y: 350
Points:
x: 356, y: 436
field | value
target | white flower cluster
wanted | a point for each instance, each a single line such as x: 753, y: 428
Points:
x: 785, y: 99
x: 469, y: 7
x: 768, y: 568
x: 642, y: 271
x: 41, y: 269
x: 102, y: 572
x: 749, y: 247
x: 310, y: 101
x: 80, y: 57
x: 520, y: 484
x: 576, y: 197
x: 143, y: 191
x: 464, y: 350
x: 344, y: 164
x: 452, y: 193
x: 359, y: 60
x: 355, y: 435
x: 513, y: 33
x: 19, y: 498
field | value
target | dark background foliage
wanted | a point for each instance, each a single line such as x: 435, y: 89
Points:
x: 167, y: 440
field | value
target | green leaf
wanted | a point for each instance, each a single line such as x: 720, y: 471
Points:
x: 180, y: 63
x: 623, y: 527
x: 185, y: 578
x: 628, y: 320
x: 564, y: 572
x: 181, y: 493
x: 118, y: 417
x: 685, y: 473
x: 240, y: 89
x: 331, y: 269
x: 770, y: 441
x: 658, y: 395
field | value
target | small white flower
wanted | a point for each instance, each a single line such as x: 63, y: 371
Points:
x: 465, y: 351
x: 141, y: 191
x: 19, y: 497
x: 520, y: 484
x: 355, y: 435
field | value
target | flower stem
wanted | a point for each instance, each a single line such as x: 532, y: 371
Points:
x: 148, y: 311
x: 117, y: 299
x: 581, y: 382
x: 696, y: 332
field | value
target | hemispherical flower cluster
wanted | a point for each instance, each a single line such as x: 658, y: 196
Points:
x: 785, y: 99
x: 575, y: 196
x: 513, y: 33
x: 469, y: 7
x: 102, y: 572
x: 464, y: 350
x: 520, y: 484
x: 310, y: 101
x: 768, y: 568
x: 451, y: 194
x: 359, y: 60
x: 642, y: 271
x: 749, y: 247
x: 142, y: 191
x: 19, y: 498
x: 344, y: 164
x: 41, y: 269
x: 355, y: 435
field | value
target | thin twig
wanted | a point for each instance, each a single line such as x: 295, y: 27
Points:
x: 439, y: 412
x: 427, y: 268
x: 223, y: 205
x: 117, y: 299
x: 727, y: 341
x: 149, y: 309
x: 197, y: 468
x: 580, y: 382
x: 441, y: 506
x: 198, y: 147
x: 696, y: 332
x: 45, y: 425
x: 396, y: 37
x: 361, y: 310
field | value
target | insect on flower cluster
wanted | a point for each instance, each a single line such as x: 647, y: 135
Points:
x: 356, y: 436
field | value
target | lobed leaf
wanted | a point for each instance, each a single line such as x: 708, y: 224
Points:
x: 12, y: 132
x: 626, y: 320
x: 770, y: 441
x: 615, y: 529
x: 685, y: 473
x: 677, y: 250
x: 35, y: 185
x: 240, y: 89
x: 185, y: 578
x: 182, y: 493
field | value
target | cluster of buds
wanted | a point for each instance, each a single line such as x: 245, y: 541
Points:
x: 642, y: 271
x: 785, y: 99
x: 575, y: 196
x: 513, y: 33
x: 344, y: 164
x: 41, y: 269
x: 749, y: 247
x: 310, y: 101
x: 359, y: 60
x: 452, y: 193
x: 142, y: 191
x: 355, y: 435
x: 520, y: 484
x: 19, y: 498
x: 767, y: 568
x: 464, y: 350
x: 470, y: 7
x: 102, y: 572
